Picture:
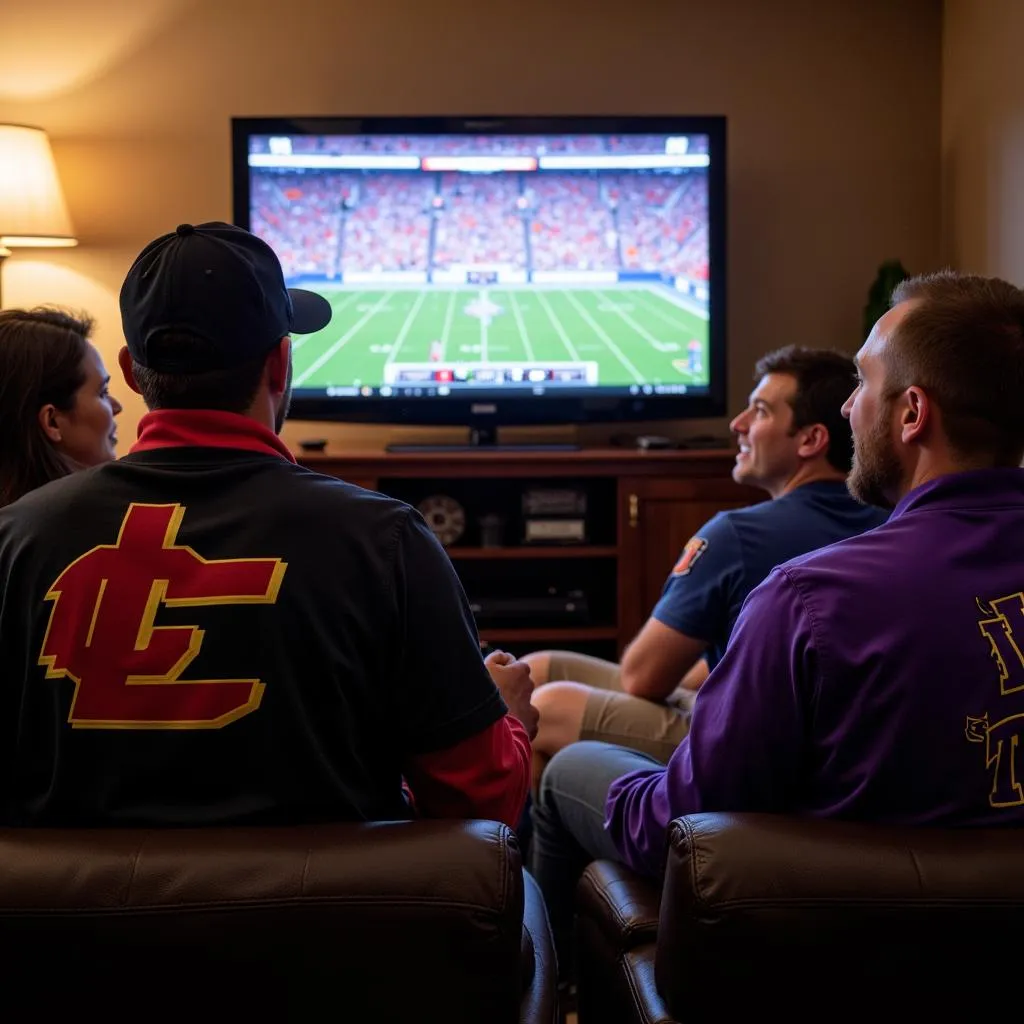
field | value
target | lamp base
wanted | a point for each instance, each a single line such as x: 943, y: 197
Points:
x: 4, y: 253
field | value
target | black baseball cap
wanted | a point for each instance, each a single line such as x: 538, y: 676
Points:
x: 221, y: 283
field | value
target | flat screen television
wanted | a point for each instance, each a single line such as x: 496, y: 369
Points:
x: 490, y: 271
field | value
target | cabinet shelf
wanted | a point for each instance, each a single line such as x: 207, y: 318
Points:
x: 528, y: 551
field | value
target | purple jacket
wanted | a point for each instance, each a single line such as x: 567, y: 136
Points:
x: 880, y: 678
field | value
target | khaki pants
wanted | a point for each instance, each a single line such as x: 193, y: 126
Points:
x: 616, y: 717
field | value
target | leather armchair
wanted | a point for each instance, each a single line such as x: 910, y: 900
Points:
x: 818, y: 920
x: 403, y: 921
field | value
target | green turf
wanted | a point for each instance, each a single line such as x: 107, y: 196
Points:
x: 634, y: 334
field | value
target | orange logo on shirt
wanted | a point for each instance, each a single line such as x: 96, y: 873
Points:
x: 103, y: 635
x: 695, y: 547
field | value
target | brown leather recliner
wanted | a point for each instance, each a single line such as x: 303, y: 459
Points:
x: 403, y: 921
x: 810, y: 919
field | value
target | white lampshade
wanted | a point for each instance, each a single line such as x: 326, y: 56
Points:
x: 32, y: 207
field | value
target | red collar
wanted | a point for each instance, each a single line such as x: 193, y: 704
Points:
x: 206, y: 428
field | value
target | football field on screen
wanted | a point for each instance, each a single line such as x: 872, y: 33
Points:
x: 635, y: 335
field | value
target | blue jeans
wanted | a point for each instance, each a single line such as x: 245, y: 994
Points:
x: 568, y: 827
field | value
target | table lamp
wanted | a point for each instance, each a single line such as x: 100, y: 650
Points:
x: 32, y: 207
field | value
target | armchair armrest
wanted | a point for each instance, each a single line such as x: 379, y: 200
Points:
x: 858, y: 907
x: 621, y: 905
x: 616, y: 932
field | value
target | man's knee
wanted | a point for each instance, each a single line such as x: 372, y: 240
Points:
x: 553, y: 699
x: 560, y: 706
x: 570, y: 766
x: 540, y: 666
x: 589, y: 767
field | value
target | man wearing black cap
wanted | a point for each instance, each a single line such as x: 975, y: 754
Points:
x: 206, y: 632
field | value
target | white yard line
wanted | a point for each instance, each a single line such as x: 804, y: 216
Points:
x: 449, y: 313
x: 673, y: 297
x: 642, y: 331
x: 298, y: 342
x: 483, y: 327
x: 341, y: 342
x: 557, y: 324
x: 521, y: 324
x: 603, y: 334
x: 404, y: 332
x: 653, y: 307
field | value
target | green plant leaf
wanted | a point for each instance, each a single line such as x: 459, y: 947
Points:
x: 890, y: 273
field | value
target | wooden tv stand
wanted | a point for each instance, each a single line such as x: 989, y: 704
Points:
x: 642, y: 507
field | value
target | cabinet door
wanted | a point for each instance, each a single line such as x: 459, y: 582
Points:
x: 656, y: 518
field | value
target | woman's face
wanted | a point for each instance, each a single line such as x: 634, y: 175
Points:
x: 86, y: 433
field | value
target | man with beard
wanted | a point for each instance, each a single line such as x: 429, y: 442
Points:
x: 880, y: 678
x: 205, y: 632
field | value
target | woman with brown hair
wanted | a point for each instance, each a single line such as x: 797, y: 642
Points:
x: 56, y: 414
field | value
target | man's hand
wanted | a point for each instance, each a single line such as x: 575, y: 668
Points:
x: 513, y: 681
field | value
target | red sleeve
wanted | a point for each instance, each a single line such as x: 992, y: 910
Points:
x: 485, y: 776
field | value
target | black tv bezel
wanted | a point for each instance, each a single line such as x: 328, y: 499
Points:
x: 478, y: 412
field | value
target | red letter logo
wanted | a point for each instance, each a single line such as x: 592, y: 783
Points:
x: 102, y: 632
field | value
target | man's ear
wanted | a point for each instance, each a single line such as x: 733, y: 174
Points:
x: 916, y: 414
x: 124, y: 360
x: 48, y: 423
x: 278, y: 360
x: 815, y: 441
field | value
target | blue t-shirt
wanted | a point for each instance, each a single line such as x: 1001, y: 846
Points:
x: 737, y: 549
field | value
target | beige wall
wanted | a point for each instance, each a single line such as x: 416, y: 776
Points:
x: 834, y: 129
x: 983, y: 137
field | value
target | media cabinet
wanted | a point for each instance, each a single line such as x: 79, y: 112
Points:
x: 641, y: 508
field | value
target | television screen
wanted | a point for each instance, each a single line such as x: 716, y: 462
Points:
x: 542, y: 271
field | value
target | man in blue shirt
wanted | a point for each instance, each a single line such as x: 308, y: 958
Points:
x: 793, y: 443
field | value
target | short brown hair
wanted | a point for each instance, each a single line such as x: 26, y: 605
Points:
x: 824, y: 381
x: 42, y: 354
x: 963, y: 344
x: 228, y: 390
